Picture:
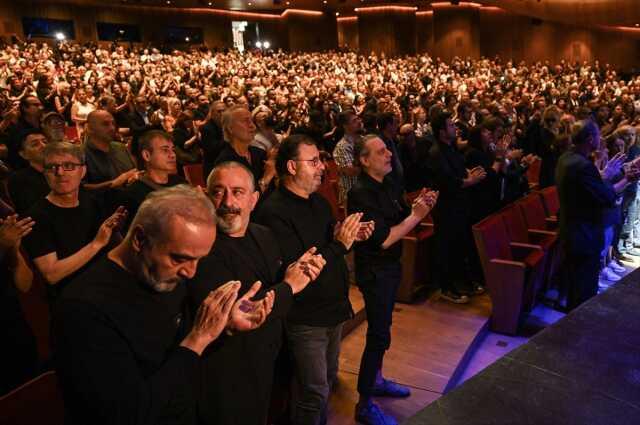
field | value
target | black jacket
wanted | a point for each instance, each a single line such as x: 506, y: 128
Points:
x: 300, y: 224
x: 584, y: 197
x: 237, y: 371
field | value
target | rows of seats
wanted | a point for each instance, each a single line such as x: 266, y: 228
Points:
x: 520, y: 257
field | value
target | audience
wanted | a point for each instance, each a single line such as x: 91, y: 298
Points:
x: 268, y: 120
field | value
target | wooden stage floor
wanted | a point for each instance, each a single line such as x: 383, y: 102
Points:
x: 429, y: 341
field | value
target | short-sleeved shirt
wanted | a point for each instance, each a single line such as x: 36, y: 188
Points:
x: 382, y: 203
x: 63, y: 231
x: 104, y: 166
x: 343, y: 156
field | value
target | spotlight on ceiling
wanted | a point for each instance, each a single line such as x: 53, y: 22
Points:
x: 60, y: 36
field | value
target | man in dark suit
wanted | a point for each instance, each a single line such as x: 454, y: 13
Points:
x: 585, y: 193
x: 237, y: 371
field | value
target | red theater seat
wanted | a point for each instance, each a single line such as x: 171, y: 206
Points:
x: 534, y: 213
x: 38, y: 402
x: 194, y: 174
x: 512, y: 272
x: 551, y: 201
x: 416, y: 266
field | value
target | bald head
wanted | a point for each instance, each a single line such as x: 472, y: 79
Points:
x: 101, y: 127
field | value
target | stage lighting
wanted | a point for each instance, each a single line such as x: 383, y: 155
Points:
x: 259, y: 44
x: 60, y: 36
x: 266, y: 44
x: 187, y: 39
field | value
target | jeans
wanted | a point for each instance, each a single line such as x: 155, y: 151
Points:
x: 378, y: 286
x: 315, y: 352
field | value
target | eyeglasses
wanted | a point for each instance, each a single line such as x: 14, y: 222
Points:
x: 66, y: 166
x: 314, y: 162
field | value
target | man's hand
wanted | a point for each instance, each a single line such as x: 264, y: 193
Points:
x: 305, y: 270
x: 424, y: 203
x: 347, y: 231
x: 212, y: 317
x: 613, y: 166
x: 476, y: 175
x: 13, y: 230
x: 366, y: 230
x: 106, y: 229
x: 126, y: 178
x: 247, y: 315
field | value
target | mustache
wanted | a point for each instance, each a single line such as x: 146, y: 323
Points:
x: 224, y: 210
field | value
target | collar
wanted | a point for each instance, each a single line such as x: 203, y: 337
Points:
x: 286, y: 192
x: 367, y: 180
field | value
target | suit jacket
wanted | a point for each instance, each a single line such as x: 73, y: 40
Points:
x: 237, y: 371
x: 584, y: 197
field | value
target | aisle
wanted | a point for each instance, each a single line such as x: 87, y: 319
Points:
x: 429, y: 340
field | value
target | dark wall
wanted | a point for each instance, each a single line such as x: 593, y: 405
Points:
x: 392, y: 32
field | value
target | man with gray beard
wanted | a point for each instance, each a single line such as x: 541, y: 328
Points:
x: 238, y: 370
x: 126, y: 351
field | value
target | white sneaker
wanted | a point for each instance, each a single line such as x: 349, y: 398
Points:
x: 617, y: 268
x: 608, y: 274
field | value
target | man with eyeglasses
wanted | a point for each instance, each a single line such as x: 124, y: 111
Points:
x: 28, y: 185
x: 300, y: 218
x: 159, y: 158
x: 71, y: 229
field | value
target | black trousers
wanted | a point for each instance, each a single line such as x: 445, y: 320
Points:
x: 582, y: 277
x: 378, y: 286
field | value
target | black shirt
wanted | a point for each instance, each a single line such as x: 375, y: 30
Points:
x: 211, y: 142
x: 118, y: 356
x: 382, y: 203
x: 104, y: 166
x: 26, y: 187
x: 132, y: 196
x: 237, y: 371
x: 448, y: 171
x: 300, y: 224
x: 63, y: 231
x: 258, y: 157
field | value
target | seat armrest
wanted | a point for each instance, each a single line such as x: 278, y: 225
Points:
x: 522, y: 250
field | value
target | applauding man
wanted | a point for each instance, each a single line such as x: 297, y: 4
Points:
x: 238, y: 370
x: 378, y: 268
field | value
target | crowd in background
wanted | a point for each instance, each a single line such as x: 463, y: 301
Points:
x: 469, y: 128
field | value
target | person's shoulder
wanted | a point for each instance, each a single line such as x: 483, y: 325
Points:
x: 261, y: 231
x: 40, y: 209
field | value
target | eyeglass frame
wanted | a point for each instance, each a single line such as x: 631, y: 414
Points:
x: 66, y: 166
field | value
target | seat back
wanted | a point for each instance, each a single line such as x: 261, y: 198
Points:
x: 551, y: 200
x: 492, y: 240
x: 71, y: 133
x: 328, y: 190
x: 331, y: 170
x: 515, y: 224
x: 38, y: 402
x: 194, y: 174
x: 533, y: 211
x: 533, y: 173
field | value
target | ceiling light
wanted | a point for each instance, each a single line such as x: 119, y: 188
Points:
x: 60, y: 36
x: 337, y: 13
x: 266, y: 44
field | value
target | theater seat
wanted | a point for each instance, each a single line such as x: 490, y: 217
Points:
x: 416, y: 265
x: 513, y: 272
x: 518, y: 231
x: 328, y: 190
x: 533, y: 174
x: 71, y: 134
x: 38, y: 402
x: 194, y: 174
x: 534, y: 213
x: 551, y: 201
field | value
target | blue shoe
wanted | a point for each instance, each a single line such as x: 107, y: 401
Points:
x: 370, y: 414
x: 390, y: 389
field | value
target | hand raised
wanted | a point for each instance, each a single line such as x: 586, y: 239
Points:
x: 212, y: 317
x: 347, y: 231
x: 305, y: 270
x: 13, y: 230
x: 246, y: 314
x: 109, y: 225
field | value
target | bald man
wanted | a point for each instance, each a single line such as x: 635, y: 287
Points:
x: 109, y: 163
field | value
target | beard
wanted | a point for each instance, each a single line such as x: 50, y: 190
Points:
x: 228, y: 219
x: 147, y: 272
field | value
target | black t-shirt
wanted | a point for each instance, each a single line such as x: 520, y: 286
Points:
x: 258, y: 157
x: 26, y: 187
x: 117, y: 350
x: 63, y: 231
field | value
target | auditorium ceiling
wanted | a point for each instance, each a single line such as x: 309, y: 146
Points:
x: 584, y: 12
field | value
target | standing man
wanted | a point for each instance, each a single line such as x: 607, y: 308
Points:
x: 585, y: 194
x: 343, y: 153
x: 388, y: 124
x: 126, y: 352
x: 238, y: 371
x: 378, y: 268
x: 239, y: 132
x: 70, y: 229
x: 451, y: 219
x: 301, y: 219
x: 159, y: 159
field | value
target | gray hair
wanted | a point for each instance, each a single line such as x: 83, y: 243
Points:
x: 162, y: 205
x: 361, y: 149
x: 227, y: 119
x: 228, y: 165
x: 64, y: 148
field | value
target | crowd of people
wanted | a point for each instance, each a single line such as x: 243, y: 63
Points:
x: 172, y: 304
